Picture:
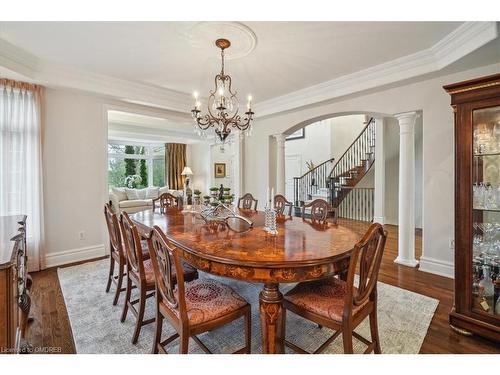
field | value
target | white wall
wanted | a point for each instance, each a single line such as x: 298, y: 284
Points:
x: 438, y: 155
x: 343, y: 131
x: 74, y: 173
x: 326, y: 139
x: 199, y: 161
x: 315, y: 146
x: 228, y: 157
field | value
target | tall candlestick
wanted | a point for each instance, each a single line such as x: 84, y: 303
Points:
x: 272, y: 198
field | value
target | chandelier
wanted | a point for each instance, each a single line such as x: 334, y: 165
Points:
x: 223, y: 105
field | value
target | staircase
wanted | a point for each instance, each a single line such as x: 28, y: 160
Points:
x: 343, y: 176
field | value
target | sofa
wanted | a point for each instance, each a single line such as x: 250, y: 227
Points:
x: 135, y: 200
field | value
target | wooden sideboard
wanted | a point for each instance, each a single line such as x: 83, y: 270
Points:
x: 14, y: 284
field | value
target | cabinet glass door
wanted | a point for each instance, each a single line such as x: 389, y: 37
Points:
x: 486, y: 211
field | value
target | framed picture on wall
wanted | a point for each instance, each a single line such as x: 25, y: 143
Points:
x: 296, y: 135
x: 220, y: 170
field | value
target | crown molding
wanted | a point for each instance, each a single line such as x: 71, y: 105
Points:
x: 466, y: 38
x: 17, y: 60
x: 53, y: 75
x: 460, y: 42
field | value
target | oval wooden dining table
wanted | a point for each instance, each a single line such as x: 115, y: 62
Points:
x: 300, y: 251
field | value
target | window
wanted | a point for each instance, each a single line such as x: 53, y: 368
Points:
x: 135, y: 165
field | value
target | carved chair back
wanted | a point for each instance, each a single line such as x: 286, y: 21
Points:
x: 246, y: 202
x: 280, y: 203
x: 115, y: 238
x: 167, y: 200
x: 367, y: 254
x: 165, y: 260
x: 132, y: 243
x: 320, y: 209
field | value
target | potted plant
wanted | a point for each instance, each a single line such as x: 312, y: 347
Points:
x: 227, y: 198
x: 206, y: 199
x: 197, y: 193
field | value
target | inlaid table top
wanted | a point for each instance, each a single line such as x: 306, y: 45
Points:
x: 298, y: 241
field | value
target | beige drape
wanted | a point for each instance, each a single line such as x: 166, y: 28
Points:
x: 175, y: 161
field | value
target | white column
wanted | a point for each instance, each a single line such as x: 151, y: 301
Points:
x: 379, y: 204
x: 239, y: 138
x: 406, y: 212
x: 280, y: 163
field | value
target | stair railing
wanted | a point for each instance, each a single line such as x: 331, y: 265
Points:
x: 311, y: 182
x: 362, y: 148
x: 358, y: 205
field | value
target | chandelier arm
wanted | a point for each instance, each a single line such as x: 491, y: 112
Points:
x: 204, y: 122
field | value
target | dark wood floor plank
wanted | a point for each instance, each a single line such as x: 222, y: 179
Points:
x: 52, y: 327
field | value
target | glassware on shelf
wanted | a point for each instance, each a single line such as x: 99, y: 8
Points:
x: 486, y: 291
x: 485, y: 196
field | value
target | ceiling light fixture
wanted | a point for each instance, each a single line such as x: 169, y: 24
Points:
x: 223, y: 105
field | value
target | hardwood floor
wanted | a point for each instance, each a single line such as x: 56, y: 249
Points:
x: 51, y: 327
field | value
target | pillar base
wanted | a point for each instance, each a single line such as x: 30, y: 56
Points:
x: 406, y: 262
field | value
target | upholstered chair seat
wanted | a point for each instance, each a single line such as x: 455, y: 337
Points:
x: 322, y: 297
x: 208, y: 300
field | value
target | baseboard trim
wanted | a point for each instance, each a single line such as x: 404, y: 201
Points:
x: 74, y: 255
x: 436, y: 266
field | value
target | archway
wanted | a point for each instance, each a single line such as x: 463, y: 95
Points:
x: 385, y: 199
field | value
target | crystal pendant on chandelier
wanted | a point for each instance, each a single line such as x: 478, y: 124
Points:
x: 223, y: 106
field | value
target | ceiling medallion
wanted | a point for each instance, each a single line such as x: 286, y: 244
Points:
x: 223, y: 105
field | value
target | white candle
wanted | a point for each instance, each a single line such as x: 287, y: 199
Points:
x: 272, y: 198
x: 267, y: 196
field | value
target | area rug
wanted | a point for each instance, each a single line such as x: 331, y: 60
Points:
x: 403, y: 319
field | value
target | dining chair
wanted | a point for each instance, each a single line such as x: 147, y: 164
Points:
x: 117, y: 255
x: 320, y: 211
x: 281, y: 203
x: 338, y: 304
x: 246, y: 202
x: 167, y: 200
x: 194, y: 307
x: 140, y: 274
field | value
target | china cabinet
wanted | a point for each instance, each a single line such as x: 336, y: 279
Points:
x: 476, y: 105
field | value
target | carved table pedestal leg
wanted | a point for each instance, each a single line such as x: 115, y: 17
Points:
x: 271, y: 315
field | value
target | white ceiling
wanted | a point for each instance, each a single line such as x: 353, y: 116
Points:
x: 288, y: 55
x: 284, y: 65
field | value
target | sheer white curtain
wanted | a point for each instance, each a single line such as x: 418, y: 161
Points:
x: 21, y: 188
